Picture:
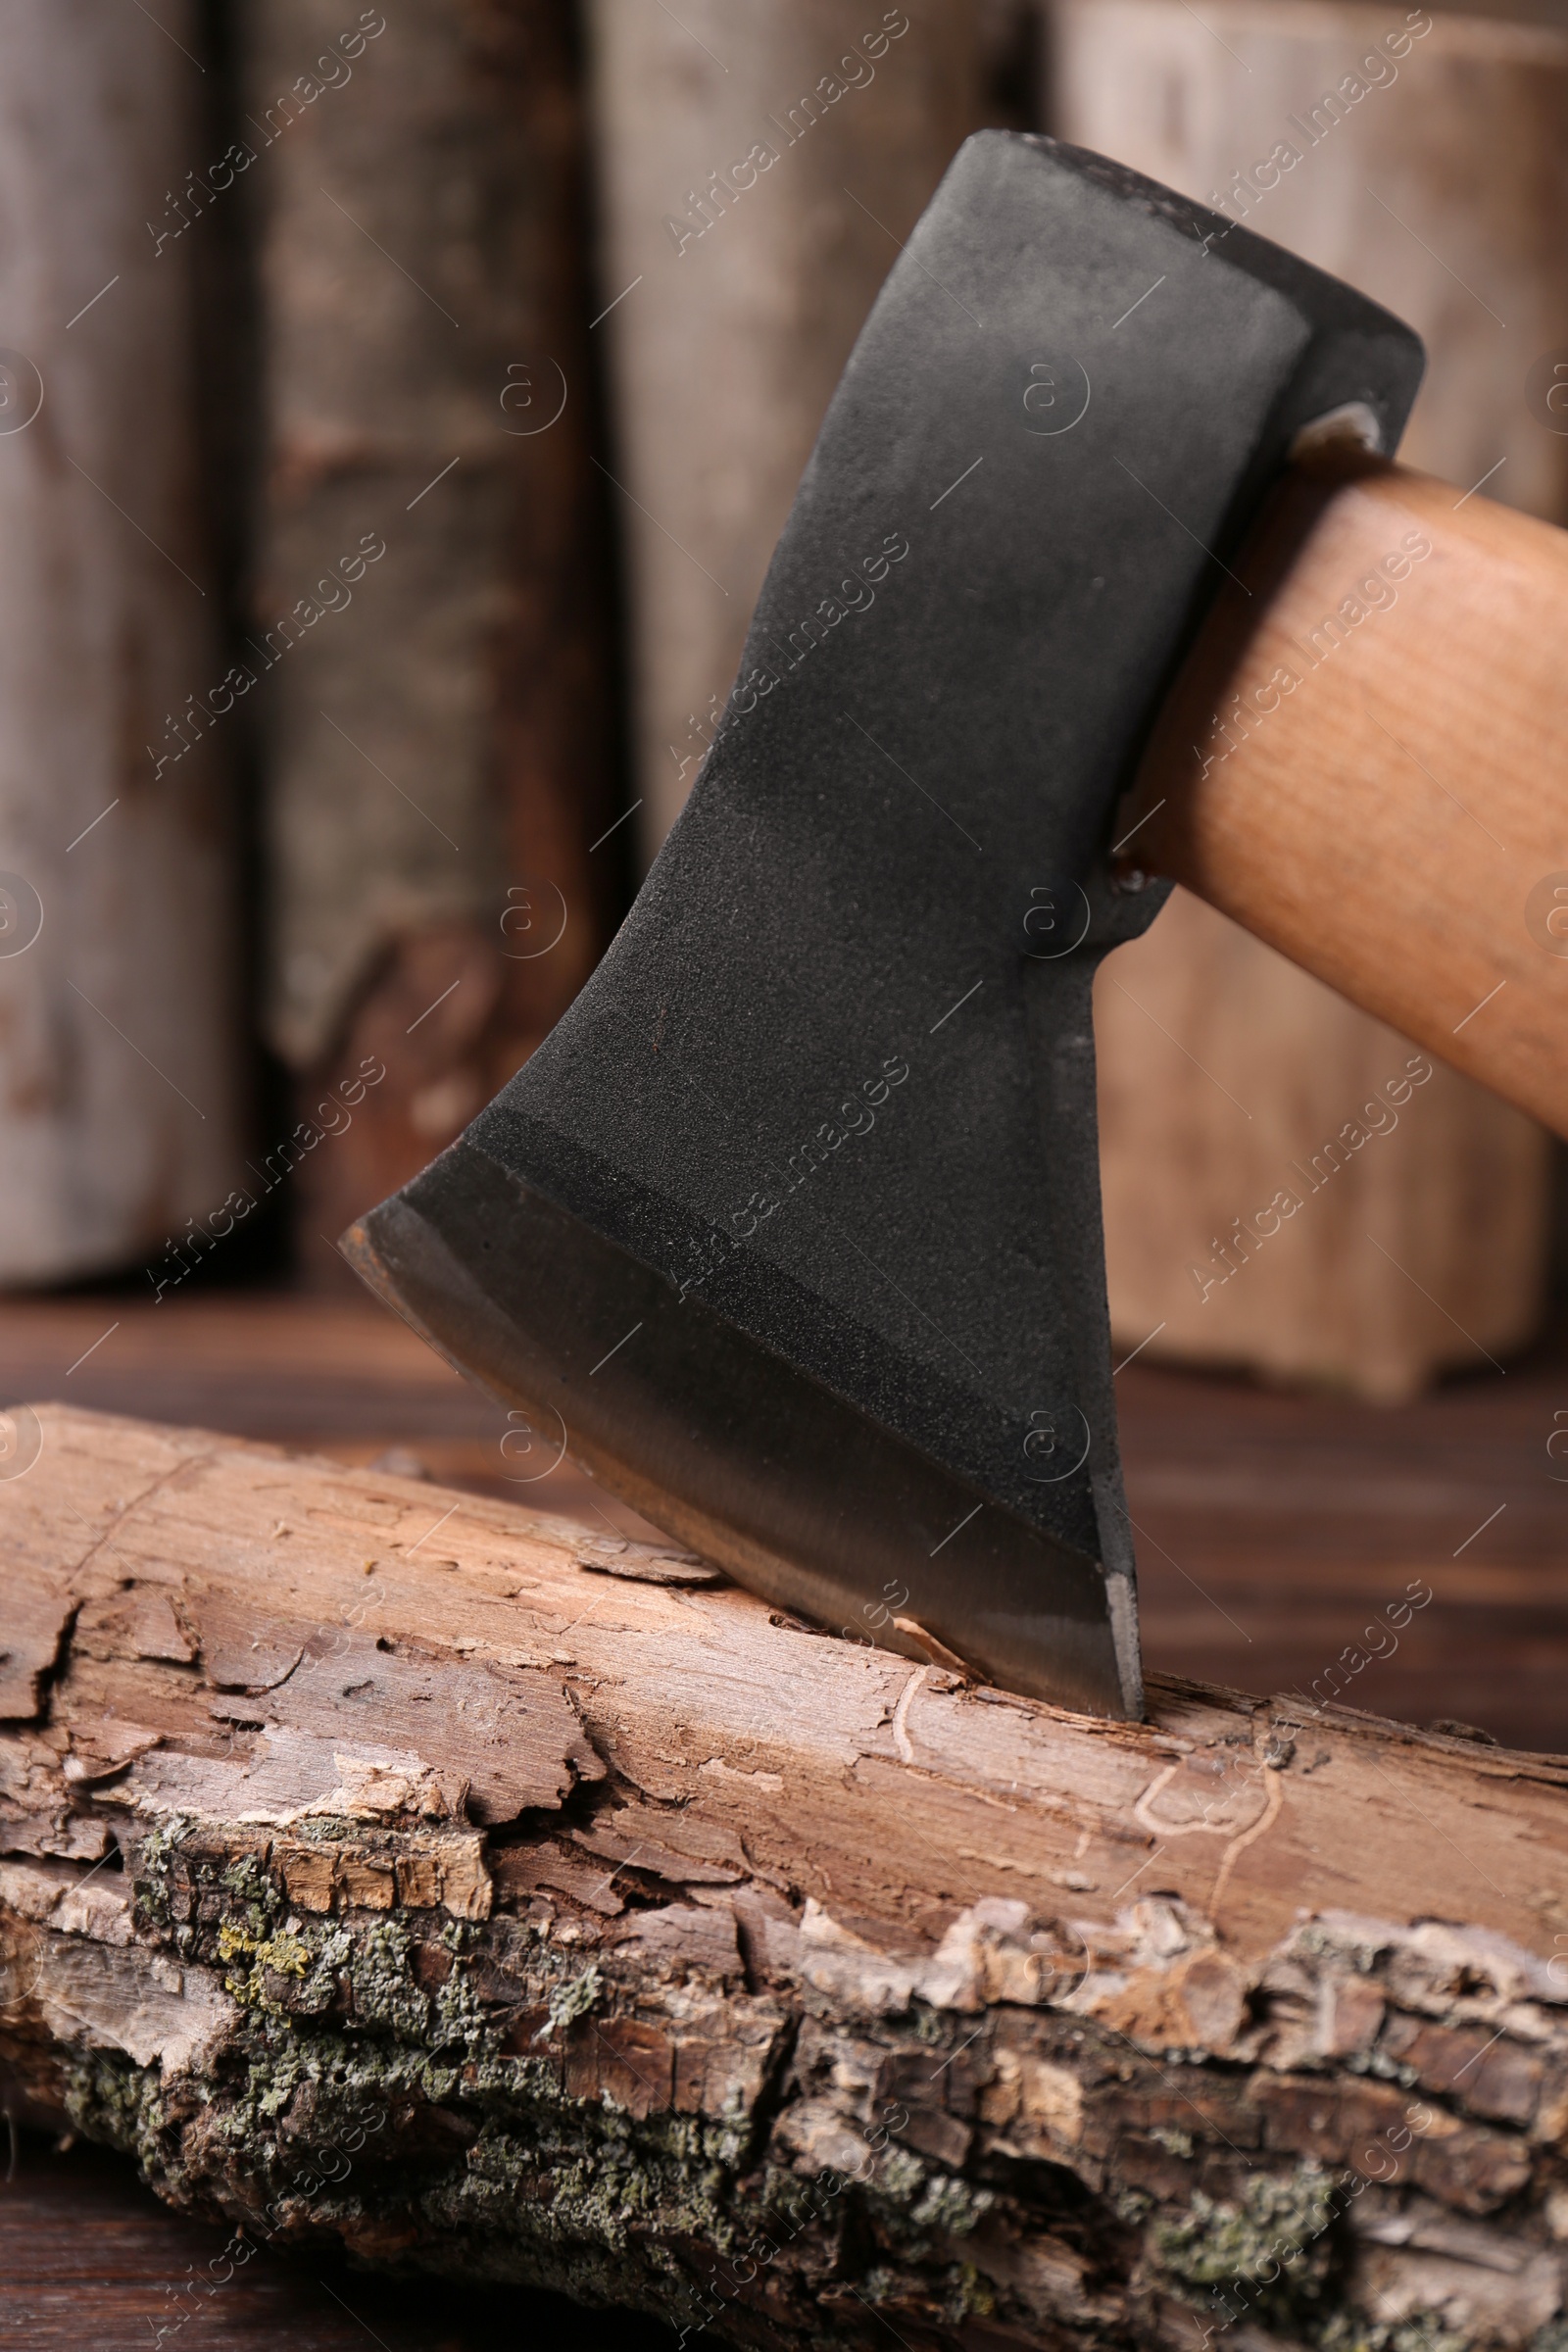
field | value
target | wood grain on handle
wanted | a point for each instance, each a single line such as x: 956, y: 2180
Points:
x: 1365, y: 762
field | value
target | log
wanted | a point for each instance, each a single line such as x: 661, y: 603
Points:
x: 429, y: 646
x: 384, y: 1867
x: 119, y: 1068
x: 756, y: 169
x: 1221, y: 1062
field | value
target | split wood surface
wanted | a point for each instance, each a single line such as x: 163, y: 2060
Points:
x: 383, y: 1865
x: 1363, y: 763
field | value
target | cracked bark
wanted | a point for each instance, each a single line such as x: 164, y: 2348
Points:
x: 386, y: 1866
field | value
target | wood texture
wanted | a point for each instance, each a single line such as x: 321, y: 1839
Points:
x: 1268, y: 1525
x: 117, y: 1063
x: 756, y: 168
x: 437, y: 716
x: 1461, y: 130
x: 1430, y: 175
x: 88, y: 2256
x: 1395, y: 821
x: 472, y: 1892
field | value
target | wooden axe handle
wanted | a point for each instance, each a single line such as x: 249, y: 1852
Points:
x: 1365, y: 762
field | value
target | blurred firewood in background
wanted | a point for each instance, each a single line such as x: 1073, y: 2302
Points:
x: 119, y: 1043
x: 756, y: 168
x: 438, y: 733
x: 1431, y: 171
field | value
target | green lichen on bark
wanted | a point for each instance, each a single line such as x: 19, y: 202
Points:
x: 574, y: 1999
x: 412, y: 2113
x: 368, y: 2080
x: 1421, y: 2332
x: 109, y: 2098
x: 436, y: 2090
x: 153, y: 1860
x: 1273, y: 2259
x: 1277, y: 2219
x: 404, y: 2107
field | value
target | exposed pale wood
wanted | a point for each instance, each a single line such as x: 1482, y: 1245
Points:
x: 1433, y: 180
x: 1268, y: 1525
x: 755, y: 166
x: 765, y: 1979
x: 118, y: 1062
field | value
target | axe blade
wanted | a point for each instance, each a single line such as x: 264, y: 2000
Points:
x: 791, y: 1228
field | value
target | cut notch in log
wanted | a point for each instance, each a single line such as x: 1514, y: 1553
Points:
x: 384, y: 1865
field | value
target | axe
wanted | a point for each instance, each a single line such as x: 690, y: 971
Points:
x: 790, y: 1230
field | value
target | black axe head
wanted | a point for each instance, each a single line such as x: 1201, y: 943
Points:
x: 790, y: 1231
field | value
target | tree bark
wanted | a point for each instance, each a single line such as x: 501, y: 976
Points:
x: 1221, y: 1062
x: 385, y: 1866
x: 118, y: 1057
x: 437, y: 716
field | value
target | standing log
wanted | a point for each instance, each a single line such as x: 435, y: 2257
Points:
x: 116, y: 1021
x: 388, y: 1868
x: 756, y: 168
x: 437, y: 731
x: 1431, y: 171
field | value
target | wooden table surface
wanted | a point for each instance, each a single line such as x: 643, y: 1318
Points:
x: 1271, y: 1531
x: 90, y: 2262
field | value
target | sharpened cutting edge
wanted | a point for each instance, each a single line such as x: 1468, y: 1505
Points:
x: 739, y: 1453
